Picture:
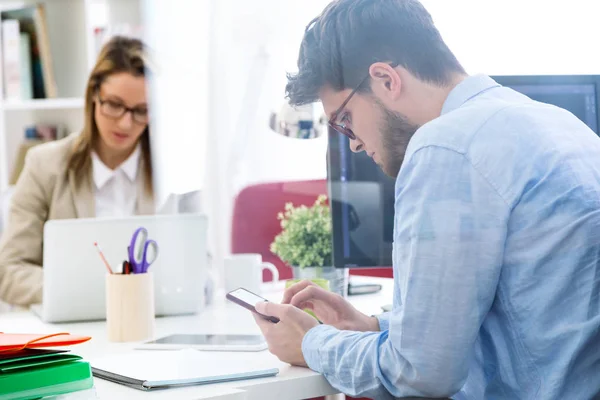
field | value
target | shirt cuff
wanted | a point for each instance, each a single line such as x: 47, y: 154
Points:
x: 384, y: 321
x: 312, y: 343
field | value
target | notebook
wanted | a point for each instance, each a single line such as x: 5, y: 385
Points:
x: 148, y: 370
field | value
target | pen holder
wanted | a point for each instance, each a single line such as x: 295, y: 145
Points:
x: 130, y: 307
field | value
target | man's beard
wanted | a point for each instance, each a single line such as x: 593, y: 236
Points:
x: 396, y: 131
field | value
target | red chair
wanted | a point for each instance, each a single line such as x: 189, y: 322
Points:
x: 255, y: 222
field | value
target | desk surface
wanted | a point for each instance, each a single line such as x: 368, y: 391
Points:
x: 222, y: 317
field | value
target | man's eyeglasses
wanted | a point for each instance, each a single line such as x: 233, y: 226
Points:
x: 114, y: 110
x: 341, y: 128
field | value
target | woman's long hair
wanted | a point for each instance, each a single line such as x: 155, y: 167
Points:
x: 119, y: 54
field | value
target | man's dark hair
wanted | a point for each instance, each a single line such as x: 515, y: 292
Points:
x: 350, y: 35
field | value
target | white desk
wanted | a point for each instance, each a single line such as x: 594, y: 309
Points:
x: 222, y: 317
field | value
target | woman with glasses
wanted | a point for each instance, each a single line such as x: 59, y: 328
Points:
x: 103, y: 171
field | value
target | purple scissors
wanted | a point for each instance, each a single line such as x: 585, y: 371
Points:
x: 142, y: 252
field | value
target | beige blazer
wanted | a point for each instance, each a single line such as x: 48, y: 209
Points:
x: 45, y: 190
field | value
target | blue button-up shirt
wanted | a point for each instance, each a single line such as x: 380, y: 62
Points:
x: 496, y: 260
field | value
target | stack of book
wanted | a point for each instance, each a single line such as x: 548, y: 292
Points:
x: 45, y: 131
x: 27, y: 65
x: 31, y: 367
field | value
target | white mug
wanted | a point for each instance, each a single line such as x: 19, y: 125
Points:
x: 245, y: 270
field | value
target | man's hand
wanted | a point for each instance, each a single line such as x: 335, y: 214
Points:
x: 332, y: 309
x: 285, y: 337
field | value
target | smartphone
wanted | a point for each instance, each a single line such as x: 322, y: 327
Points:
x: 247, y: 299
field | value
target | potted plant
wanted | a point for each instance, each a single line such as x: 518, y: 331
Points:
x: 305, y: 244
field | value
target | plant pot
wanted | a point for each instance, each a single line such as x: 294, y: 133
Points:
x: 337, y: 278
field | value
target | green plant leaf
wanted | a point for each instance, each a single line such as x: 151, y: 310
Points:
x: 305, y: 239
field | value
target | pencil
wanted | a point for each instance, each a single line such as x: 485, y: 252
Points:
x: 103, y: 258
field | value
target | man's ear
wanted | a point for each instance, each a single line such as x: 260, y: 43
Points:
x: 385, y: 80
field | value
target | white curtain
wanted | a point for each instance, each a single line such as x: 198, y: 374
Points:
x: 253, y: 45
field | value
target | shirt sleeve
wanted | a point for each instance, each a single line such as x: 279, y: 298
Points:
x: 384, y: 321
x: 449, y: 239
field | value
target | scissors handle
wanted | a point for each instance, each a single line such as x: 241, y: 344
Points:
x: 138, y: 251
x: 146, y: 262
x: 136, y: 246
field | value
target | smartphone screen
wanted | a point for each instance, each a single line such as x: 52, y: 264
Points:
x: 247, y: 299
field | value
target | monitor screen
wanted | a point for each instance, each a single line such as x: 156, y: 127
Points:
x: 362, y: 207
x: 362, y: 196
x: 580, y: 98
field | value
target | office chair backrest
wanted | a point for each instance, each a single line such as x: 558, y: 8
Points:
x: 255, y: 222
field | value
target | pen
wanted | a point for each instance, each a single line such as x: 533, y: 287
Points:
x: 103, y: 258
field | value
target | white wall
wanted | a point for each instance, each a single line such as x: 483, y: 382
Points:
x: 521, y: 36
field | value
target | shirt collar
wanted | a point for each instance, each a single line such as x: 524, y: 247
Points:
x: 471, y: 87
x: 102, y: 173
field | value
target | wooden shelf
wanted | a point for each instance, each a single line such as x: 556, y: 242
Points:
x: 44, y: 104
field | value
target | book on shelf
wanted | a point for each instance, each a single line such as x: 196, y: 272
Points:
x: 27, y: 59
x: 26, y: 74
x: 45, y: 132
x: 11, y: 58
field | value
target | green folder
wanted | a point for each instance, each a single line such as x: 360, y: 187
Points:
x: 31, y: 374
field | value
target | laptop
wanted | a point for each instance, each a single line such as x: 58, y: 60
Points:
x: 74, y: 274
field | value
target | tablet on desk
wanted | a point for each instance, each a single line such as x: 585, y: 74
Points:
x: 207, y: 342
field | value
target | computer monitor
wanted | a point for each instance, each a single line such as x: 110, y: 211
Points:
x: 362, y: 196
x: 578, y: 94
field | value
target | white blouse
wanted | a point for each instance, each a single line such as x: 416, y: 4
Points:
x: 116, y: 190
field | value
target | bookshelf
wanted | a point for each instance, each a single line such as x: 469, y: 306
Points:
x: 45, y: 104
x: 71, y: 27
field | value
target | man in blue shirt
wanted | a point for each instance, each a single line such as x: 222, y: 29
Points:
x: 497, y: 223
